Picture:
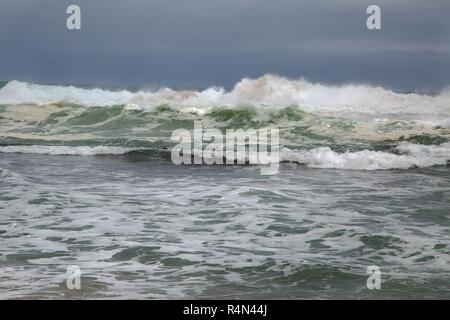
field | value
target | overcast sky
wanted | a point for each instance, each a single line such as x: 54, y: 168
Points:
x: 198, y: 43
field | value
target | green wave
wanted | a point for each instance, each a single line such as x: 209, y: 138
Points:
x: 119, y: 125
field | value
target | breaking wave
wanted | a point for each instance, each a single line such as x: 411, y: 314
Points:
x: 409, y: 155
x: 268, y: 90
x: 350, y: 126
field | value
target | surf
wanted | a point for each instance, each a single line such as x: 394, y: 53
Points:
x: 348, y: 126
x: 267, y: 90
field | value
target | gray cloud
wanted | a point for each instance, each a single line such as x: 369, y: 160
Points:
x: 217, y: 42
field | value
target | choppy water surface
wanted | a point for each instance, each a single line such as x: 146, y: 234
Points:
x: 145, y: 229
x: 86, y: 179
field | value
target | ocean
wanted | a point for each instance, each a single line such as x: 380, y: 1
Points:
x: 86, y: 180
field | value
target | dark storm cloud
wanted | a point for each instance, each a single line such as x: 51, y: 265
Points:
x: 204, y: 42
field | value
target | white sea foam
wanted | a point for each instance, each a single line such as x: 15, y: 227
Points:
x: 412, y: 155
x: 417, y: 150
x: 66, y: 150
x: 268, y: 90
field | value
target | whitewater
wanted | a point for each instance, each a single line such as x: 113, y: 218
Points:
x: 349, y: 126
x: 86, y: 179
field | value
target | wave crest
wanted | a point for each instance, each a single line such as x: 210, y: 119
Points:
x: 268, y: 90
x: 411, y: 156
